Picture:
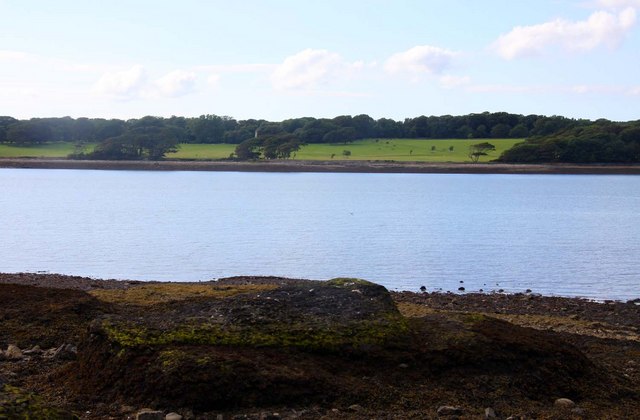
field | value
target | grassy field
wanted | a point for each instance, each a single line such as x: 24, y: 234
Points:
x: 49, y: 150
x: 403, y: 150
x: 203, y: 151
x: 446, y: 150
x: 370, y: 149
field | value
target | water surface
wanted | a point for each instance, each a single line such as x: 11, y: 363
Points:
x: 574, y: 235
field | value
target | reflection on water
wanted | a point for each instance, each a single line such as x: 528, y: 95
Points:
x: 555, y: 234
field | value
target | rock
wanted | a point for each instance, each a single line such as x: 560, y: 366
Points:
x: 403, y: 366
x: 34, y: 350
x: 147, y: 414
x: 489, y: 413
x: 13, y: 353
x: 64, y: 352
x: 564, y: 403
x: 173, y: 416
x: 448, y: 410
x: 355, y: 407
x: 462, y: 289
x: 528, y: 291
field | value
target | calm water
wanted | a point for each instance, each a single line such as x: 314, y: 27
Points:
x: 554, y: 234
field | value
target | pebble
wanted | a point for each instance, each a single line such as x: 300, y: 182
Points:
x: 489, y: 413
x: 448, y: 410
x: 355, y: 407
x: 147, y: 414
x: 13, y: 352
x: 564, y: 403
x: 173, y: 416
x: 403, y: 366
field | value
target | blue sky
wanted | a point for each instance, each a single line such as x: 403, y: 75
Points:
x: 278, y: 59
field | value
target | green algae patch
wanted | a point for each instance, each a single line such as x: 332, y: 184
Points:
x: 16, y: 403
x: 321, y: 316
x: 298, y: 335
x: 151, y: 294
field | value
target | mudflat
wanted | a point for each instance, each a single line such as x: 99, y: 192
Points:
x: 324, y: 166
x: 269, y: 347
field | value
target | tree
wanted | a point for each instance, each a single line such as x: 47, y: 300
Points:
x: 480, y: 149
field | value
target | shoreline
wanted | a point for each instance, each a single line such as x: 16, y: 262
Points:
x: 433, y: 350
x: 326, y: 166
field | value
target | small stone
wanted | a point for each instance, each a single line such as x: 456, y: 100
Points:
x: 489, y: 413
x: 500, y: 290
x: 423, y: 289
x: 149, y: 415
x: 564, y: 403
x: 64, y: 352
x: 403, y: 366
x: 528, y: 291
x: 578, y: 411
x: 13, y: 352
x: 173, y: 416
x: 448, y: 410
x: 34, y: 350
x: 355, y: 407
x: 462, y: 289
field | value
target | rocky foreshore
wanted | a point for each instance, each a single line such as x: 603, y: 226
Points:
x: 271, y: 348
x: 286, y: 165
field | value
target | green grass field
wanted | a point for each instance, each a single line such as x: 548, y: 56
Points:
x: 48, y: 150
x: 202, y: 151
x: 371, y: 149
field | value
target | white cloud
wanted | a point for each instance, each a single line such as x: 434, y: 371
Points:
x: 308, y: 69
x: 601, y: 28
x: 176, y: 83
x: 422, y: 59
x: 122, y: 84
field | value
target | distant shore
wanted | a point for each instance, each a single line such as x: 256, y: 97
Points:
x: 354, y: 166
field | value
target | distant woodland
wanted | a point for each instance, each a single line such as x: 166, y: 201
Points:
x: 548, y: 138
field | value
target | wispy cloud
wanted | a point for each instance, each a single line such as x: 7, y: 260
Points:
x: 449, y: 81
x: 542, y: 89
x: 600, y: 29
x: 615, y: 4
x: 310, y: 69
x: 419, y: 60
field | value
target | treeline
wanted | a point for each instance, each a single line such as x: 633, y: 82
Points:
x: 222, y: 129
x: 602, y: 141
x: 549, y: 139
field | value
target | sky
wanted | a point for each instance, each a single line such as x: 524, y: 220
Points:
x: 279, y: 59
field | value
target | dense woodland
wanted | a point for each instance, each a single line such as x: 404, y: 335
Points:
x: 549, y: 139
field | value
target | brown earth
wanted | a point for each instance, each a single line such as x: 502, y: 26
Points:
x: 324, y: 166
x: 253, y: 346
